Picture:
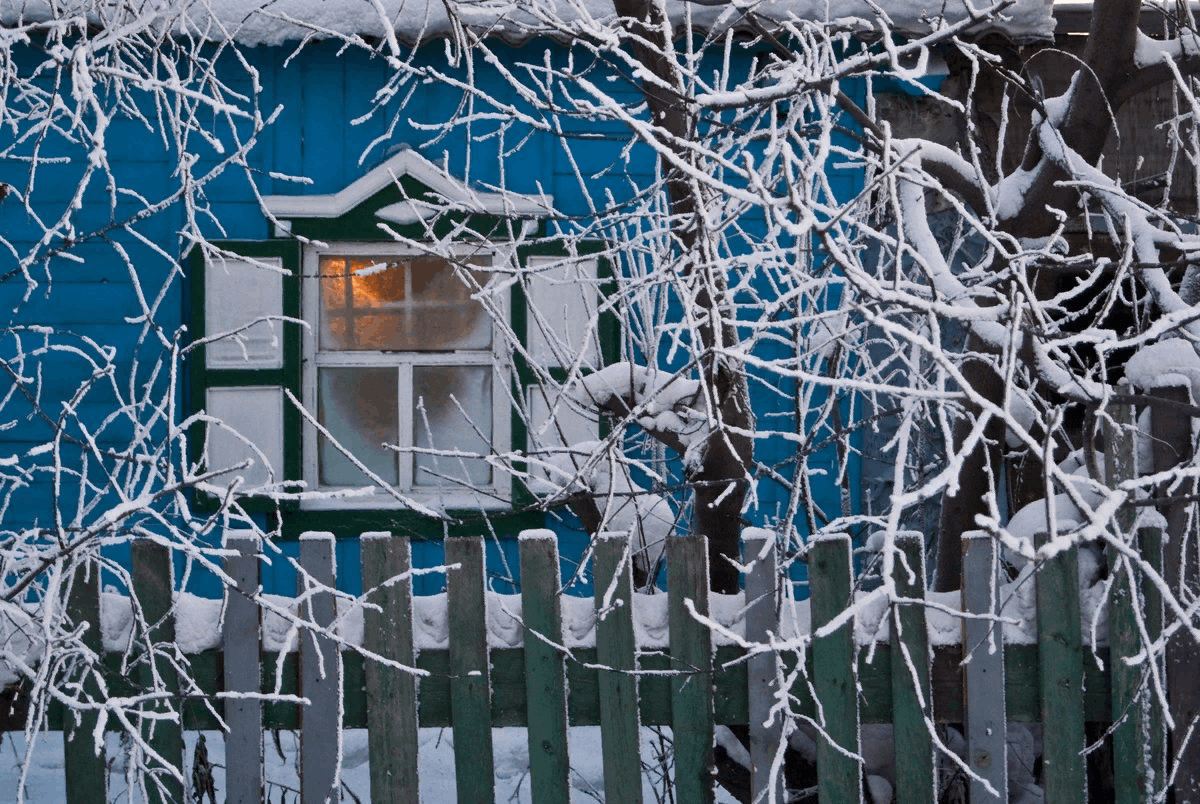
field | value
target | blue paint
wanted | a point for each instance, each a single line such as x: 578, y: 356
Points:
x: 321, y: 91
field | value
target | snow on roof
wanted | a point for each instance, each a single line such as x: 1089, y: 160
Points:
x: 274, y: 22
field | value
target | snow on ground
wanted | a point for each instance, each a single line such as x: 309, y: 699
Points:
x: 45, y: 783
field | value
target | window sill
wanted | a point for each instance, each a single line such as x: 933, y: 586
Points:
x: 486, y: 499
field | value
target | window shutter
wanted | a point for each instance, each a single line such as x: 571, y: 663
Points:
x: 555, y: 423
x: 561, y: 294
x: 251, y: 431
x: 248, y: 359
x: 243, y: 301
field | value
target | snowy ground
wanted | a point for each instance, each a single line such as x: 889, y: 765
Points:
x: 45, y: 783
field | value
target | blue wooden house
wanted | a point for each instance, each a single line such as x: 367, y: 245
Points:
x: 314, y: 315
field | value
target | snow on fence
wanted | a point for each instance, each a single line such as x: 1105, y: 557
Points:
x: 553, y: 677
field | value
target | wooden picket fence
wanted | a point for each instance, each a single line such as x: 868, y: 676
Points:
x: 690, y: 688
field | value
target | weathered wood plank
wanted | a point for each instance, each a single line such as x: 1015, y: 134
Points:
x: 835, y: 671
x: 242, y: 671
x: 1171, y: 431
x: 470, y: 675
x: 153, y: 585
x: 541, y: 608
x: 615, y: 649
x: 391, y: 692
x: 1156, y: 730
x: 983, y: 690
x: 691, y: 658
x: 912, y: 700
x: 762, y: 622
x: 84, y: 760
x: 1129, y: 733
x: 320, y: 675
x: 1060, y: 671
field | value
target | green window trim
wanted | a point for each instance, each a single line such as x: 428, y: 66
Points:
x: 361, y: 224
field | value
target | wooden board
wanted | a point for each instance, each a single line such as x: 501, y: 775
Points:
x: 243, y: 672
x: 835, y: 672
x: 84, y: 761
x: 912, y: 700
x: 320, y: 677
x: 762, y: 669
x: 984, y: 677
x: 470, y: 674
x: 391, y: 692
x: 153, y: 585
x: 691, y: 658
x: 615, y: 650
x: 545, y: 674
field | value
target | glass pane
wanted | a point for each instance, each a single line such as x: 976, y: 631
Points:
x: 442, y: 425
x: 414, y: 304
x: 443, y: 314
x: 358, y: 407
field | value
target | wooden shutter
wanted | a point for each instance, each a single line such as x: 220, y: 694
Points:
x: 249, y: 358
x: 561, y: 294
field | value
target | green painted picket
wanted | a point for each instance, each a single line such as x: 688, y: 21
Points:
x: 692, y: 687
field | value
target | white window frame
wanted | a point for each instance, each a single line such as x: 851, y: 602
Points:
x: 496, y: 495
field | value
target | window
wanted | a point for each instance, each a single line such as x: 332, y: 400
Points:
x: 397, y: 360
x: 404, y: 371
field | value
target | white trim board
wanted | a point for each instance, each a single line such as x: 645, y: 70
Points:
x: 408, y: 163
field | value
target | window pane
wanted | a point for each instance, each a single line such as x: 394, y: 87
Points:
x: 358, y: 407
x: 414, y: 304
x: 442, y: 426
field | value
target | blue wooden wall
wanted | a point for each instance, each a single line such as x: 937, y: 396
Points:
x: 320, y: 91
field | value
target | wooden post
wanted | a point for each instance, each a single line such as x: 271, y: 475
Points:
x: 320, y: 675
x: 470, y: 675
x: 84, y: 761
x: 153, y: 586
x: 1156, y: 735
x: 619, y: 716
x: 1171, y: 430
x: 983, y: 652
x: 691, y: 657
x: 241, y: 629
x: 1060, y: 676
x: 912, y: 697
x: 835, y: 671
x: 545, y: 676
x: 391, y: 692
x: 1130, y: 769
x: 762, y: 622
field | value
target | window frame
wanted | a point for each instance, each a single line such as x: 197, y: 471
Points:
x: 495, y: 496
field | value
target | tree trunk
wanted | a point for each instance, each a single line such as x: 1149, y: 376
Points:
x: 726, y: 463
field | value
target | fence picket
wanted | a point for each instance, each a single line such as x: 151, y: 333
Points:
x: 1155, y: 730
x: 984, y: 693
x: 762, y: 620
x: 691, y: 656
x: 320, y: 677
x: 153, y: 585
x: 1060, y: 675
x: 615, y: 649
x: 241, y: 627
x: 912, y: 697
x: 532, y: 689
x: 1129, y: 758
x: 541, y: 608
x: 1171, y: 436
x: 83, y: 760
x: 470, y: 676
x: 391, y: 692
x: 835, y: 671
